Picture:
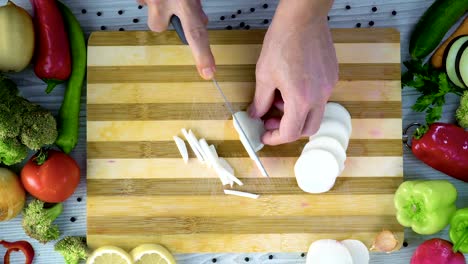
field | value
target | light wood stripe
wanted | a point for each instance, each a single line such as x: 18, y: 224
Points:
x: 238, y: 54
x: 243, y: 167
x: 233, y: 148
x: 225, y: 73
x: 218, y: 111
x: 231, y: 206
x: 262, y: 186
x: 215, y: 129
x: 235, y: 243
x: 205, y: 92
x: 144, y: 38
x: 132, y: 225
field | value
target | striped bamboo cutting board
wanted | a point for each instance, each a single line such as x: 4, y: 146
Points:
x: 143, y: 88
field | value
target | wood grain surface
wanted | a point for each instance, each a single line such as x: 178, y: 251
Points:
x: 143, y: 88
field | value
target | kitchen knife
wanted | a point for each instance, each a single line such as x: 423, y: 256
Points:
x: 175, y: 21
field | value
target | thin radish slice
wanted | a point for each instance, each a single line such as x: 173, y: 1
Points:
x: 328, y: 251
x: 338, y: 112
x: 222, y: 175
x: 212, y: 160
x: 213, y: 151
x: 193, y: 145
x: 329, y: 144
x: 197, y: 145
x: 316, y: 171
x: 242, y: 194
x: 182, y: 148
x: 226, y: 165
x: 357, y: 249
x: 335, y: 129
x: 253, y: 128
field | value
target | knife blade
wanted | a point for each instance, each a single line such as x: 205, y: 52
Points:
x: 176, y: 23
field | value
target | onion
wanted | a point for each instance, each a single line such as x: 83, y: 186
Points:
x: 17, y: 38
x: 12, y: 195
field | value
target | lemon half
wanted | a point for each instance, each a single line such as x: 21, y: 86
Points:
x: 109, y: 255
x: 152, y: 254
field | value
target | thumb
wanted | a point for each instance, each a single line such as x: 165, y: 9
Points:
x: 197, y: 38
x: 263, y: 99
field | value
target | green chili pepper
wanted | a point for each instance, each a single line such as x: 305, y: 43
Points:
x: 68, y: 121
x: 425, y: 206
x: 459, y: 230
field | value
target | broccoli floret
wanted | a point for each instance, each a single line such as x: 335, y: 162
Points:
x: 22, y: 122
x: 12, y: 151
x: 39, y: 129
x: 38, y: 221
x: 462, y: 111
x: 72, y: 249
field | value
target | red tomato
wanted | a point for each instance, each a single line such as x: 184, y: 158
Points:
x: 53, y: 181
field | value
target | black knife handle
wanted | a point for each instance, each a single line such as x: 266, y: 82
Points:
x: 175, y: 21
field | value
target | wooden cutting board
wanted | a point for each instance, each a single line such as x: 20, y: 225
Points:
x: 143, y: 88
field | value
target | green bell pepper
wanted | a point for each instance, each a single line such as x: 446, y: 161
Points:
x: 425, y: 206
x: 459, y: 230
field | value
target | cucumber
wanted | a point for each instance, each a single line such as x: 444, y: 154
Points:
x: 462, y: 64
x: 434, y: 24
x: 451, y: 64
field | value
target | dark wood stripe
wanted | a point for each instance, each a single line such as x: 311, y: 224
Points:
x: 232, y: 149
x: 225, y: 73
x: 218, y: 111
x: 212, y: 186
x: 141, y: 38
x: 134, y: 225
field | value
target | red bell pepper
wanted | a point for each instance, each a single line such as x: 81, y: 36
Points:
x: 444, y: 147
x: 53, y: 59
x: 22, y: 245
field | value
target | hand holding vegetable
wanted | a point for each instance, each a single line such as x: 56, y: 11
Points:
x: 425, y: 206
x: 22, y: 245
x: 38, y: 221
x: 53, y: 62
x: 298, y: 59
x: 51, y: 176
x: 438, y: 251
x: 459, y: 230
x: 12, y: 195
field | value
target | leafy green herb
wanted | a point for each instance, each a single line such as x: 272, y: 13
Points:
x: 433, y: 86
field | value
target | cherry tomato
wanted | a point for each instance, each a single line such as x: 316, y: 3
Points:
x: 52, y: 181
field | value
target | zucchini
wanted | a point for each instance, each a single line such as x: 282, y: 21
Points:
x: 462, y: 64
x: 434, y: 24
x: 451, y: 64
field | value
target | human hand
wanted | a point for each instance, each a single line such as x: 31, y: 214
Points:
x: 194, y: 22
x: 300, y: 61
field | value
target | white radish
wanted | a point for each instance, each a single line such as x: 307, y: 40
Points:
x: 357, y: 249
x: 223, y: 175
x: 242, y: 194
x: 213, y: 150
x: 226, y: 165
x: 335, y: 129
x: 182, y: 148
x: 253, y: 128
x: 316, y: 171
x: 339, y: 113
x: 197, y: 145
x: 328, y: 251
x: 193, y: 145
x: 329, y: 144
x: 211, y: 159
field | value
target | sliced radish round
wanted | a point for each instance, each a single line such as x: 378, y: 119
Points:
x: 328, y: 251
x: 357, y: 249
x: 253, y: 128
x: 316, y: 171
x: 329, y: 144
x: 335, y: 129
x: 338, y: 112
x: 451, y: 60
x: 182, y: 148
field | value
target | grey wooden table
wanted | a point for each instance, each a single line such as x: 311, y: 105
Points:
x: 104, y: 15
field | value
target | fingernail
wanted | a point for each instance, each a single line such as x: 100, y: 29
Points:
x: 251, y: 110
x: 208, y: 73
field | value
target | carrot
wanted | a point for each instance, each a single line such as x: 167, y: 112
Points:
x: 437, y: 59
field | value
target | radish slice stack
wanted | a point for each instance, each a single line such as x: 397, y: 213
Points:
x: 329, y: 251
x: 207, y: 154
x: 323, y: 158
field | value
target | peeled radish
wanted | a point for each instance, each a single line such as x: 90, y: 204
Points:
x: 182, y: 148
x: 335, y: 129
x: 213, y: 150
x: 316, y: 171
x: 242, y: 194
x: 357, y: 249
x: 328, y: 251
x: 253, y: 128
x: 329, y: 144
x: 211, y: 158
x: 193, y: 145
x: 338, y: 112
